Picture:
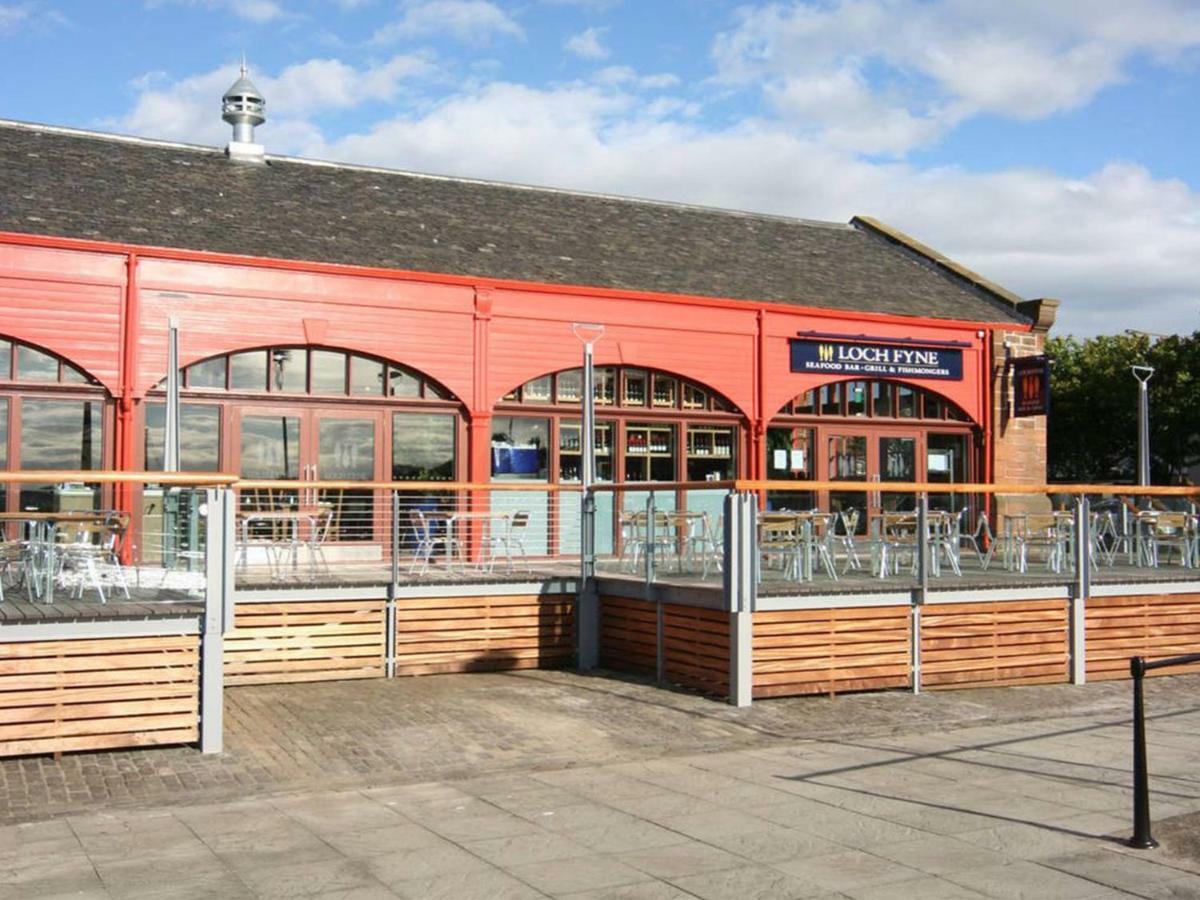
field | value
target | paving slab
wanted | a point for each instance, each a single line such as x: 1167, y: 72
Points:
x: 905, y: 801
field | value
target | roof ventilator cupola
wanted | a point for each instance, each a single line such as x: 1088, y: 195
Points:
x: 243, y: 107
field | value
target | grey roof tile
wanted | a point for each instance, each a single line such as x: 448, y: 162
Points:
x: 83, y: 185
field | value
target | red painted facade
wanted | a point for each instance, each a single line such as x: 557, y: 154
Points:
x: 105, y: 309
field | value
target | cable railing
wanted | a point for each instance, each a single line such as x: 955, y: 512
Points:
x: 98, y: 535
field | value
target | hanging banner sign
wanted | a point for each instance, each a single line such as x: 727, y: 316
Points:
x: 840, y: 357
x: 1031, y: 386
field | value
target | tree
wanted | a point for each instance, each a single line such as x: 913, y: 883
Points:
x: 1092, y: 429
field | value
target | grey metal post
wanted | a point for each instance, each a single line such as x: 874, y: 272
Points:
x: 741, y: 586
x: 915, y: 646
x: 923, y: 546
x: 1143, y: 375
x: 587, y: 615
x: 170, y: 495
x: 650, y: 539
x: 212, y: 643
x: 1082, y: 590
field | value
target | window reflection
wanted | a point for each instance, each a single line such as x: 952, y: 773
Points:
x: 34, y: 365
x: 346, y: 449
x: 207, y: 374
x: 199, y: 437
x: 328, y: 372
x: 5, y: 360
x: 270, y: 447
x: 248, y: 371
x: 289, y: 371
x: 402, y: 384
x: 366, y: 376
x: 60, y: 434
x: 519, y: 448
x: 423, y: 447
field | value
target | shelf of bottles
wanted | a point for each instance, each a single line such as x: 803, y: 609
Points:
x: 570, y: 451
x: 710, y: 454
x: 649, y: 452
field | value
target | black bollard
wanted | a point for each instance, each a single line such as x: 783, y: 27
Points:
x: 1141, y: 839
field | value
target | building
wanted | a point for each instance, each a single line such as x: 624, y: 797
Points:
x: 356, y: 323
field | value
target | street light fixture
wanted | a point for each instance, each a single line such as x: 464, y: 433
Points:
x: 1143, y: 374
x: 588, y: 333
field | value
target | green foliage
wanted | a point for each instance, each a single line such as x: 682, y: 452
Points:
x: 1093, y: 414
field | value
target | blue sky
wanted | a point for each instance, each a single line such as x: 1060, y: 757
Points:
x: 1049, y: 144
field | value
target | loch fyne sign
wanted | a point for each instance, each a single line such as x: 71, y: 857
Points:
x: 846, y: 357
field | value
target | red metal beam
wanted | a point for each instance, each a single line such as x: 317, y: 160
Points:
x: 61, y: 243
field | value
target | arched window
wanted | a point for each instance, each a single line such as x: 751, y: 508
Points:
x: 875, y: 399
x: 51, y: 417
x: 310, y: 370
x: 869, y: 430
x: 650, y: 426
x: 274, y: 412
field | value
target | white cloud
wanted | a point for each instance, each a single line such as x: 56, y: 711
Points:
x: 257, y: 11
x: 12, y: 16
x: 189, y: 109
x: 626, y: 76
x: 925, y: 66
x: 1120, y: 247
x: 587, y: 44
x: 29, y: 15
x: 470, y: 21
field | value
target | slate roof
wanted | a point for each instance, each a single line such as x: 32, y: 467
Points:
x: 93, y: 186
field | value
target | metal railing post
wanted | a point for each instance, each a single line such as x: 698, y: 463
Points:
x: 915, y: 646
x: 741, y: 584
x: 587, y: 609
x: 1141, y: 839
x: 216, y: 619
x: 923, y: 546
x: 1082, y: 590
x: 650, y: 539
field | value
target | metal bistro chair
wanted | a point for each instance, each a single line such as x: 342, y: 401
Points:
x: 1171, y: 531
x: 16, y: 565
x: 849, y: 519
x: 506, y: 535
x: 978, y: 539
x: 1039, y: 531
x: 819, y: 539
x: 92, y: 550
x: 636, y: 539
x: 779, y: 541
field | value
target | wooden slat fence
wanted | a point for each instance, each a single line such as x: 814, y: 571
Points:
x: 627, y: 635
x: 474, y: 634
x: 1002, y: 642
x: 1154, y: 625
x: 829, y: 651
x: 105, y: 693
x: 324, y: 640
x: 696, y: 648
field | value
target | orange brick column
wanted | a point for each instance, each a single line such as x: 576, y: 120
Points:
x: 1019, y: 445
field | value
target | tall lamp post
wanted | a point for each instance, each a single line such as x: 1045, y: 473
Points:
x: 1143, y: 375
x: 587, y: 629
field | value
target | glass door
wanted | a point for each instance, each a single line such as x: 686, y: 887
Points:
x: 790, y: 458
x: 946, y: 463
x: 267, y: 448
x: 897, y: 462
x: 847, y: 459
x: 289, y: 444
x: 347, y: 450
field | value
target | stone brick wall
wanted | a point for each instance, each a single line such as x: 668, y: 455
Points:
x: 1019, y: 445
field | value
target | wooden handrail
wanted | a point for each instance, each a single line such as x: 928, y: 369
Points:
x: 911, y: 487
x: 401, y: 486
x: 226, y: 479
x: 59, y: 476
